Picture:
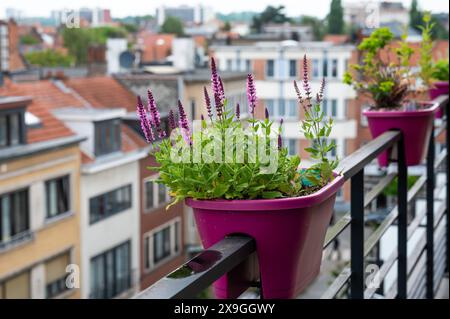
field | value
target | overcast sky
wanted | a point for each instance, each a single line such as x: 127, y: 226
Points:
x: 121, y: 8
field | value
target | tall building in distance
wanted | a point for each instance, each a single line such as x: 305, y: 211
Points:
x: 199, y: 14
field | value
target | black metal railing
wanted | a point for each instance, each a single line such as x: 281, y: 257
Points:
x: 418, y: 274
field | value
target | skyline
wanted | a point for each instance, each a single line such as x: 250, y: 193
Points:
x: 140, y: 7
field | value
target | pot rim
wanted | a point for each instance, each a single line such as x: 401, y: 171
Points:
x: 415, y: 113
x: 270, y: 204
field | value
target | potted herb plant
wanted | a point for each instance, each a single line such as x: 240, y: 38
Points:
x: 384, y: 76
x: 434, y: 76
x: 239, y: 179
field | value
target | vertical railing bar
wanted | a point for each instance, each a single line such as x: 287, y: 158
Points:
x: 402, y: 221
x: 430, y: 218
x: 357, y: 236
x: 447, y: 141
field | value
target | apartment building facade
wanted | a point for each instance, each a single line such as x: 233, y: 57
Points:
x: 39, y: 202
x: 276, y: 65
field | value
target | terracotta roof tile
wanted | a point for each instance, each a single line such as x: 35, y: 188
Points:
x: 45, y: 97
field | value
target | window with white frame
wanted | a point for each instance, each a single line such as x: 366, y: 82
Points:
x: 270, y: 68
x: 334, y: 68
x: 229, y: 65
x: 281, y: 108
x: 155, y: 194
x: 292, y: 145
x: 329, y: 107
x: 292, y: 68
x: 162, y: 243
x: 315, y: 68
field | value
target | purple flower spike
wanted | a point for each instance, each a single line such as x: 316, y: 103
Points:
x: 280, y: 142
x: 172, y: 122
x: 222, y: 90
x: 184, y: 125
x: 321, y: 90
x: 145, y: 123
x: 267, y: 113
x: 207, y: 102
x: 154, y: 113
x: 251, y: 94
x: 217, y: 88
x: 202, y: 118
x: 281, y: 123
x: 238, y: 111
x: 306, y: 85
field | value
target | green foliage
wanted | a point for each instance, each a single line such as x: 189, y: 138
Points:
x: 386, y: 82
x: 243, y: 169
x: 172, y: 25
x: 78, y: 40
x: 415, y: 15
x: 391, y: 189
x: 426, y: 51
x: 226, y: 26
x: 28, y: 39
x: 49, y: 58
x: 269, y: 15
x: 335, y: 18
x: 441, y: 70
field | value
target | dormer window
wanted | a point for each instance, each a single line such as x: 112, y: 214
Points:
x: 107, y: 137
x: 12, y: 128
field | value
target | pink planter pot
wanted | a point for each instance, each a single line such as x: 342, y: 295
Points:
x: 289, y: 235
x: 415, y: 125
x: 440, y: 88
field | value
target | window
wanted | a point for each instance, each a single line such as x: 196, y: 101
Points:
x: 315, y: 68
x: 292, y: 68
x: 57, y: 196
x: 334, y: 68
x: 12, y: 129
x: 161, y: 244
x: 291, y: 145
x: 325, y: 68
x: 330, y: 107
x: 270, y: 68
x: 155, y: 194
x: 17, y: 287
x: 282, y: 108
x: 108, y: 204
x: 14, y: 217
x: 111, y: 272
x: 248, y: 66
x: 56, y: 275
x: 107, y: 137
x: 229, y: 65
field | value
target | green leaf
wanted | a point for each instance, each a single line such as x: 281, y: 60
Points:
x: 271, y: 194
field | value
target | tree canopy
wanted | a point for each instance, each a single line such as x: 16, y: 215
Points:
x: 269, y: 15
x: 49, y: 58
x: 336, y: 18
x: 172, y: 25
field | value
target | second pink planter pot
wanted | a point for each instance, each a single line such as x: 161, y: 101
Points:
x: 415, y: 125
x: 289, y: 235
x: 439, y: 88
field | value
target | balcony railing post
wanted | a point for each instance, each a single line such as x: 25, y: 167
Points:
x: 447, y: 141
x: 357, y: 236
x: 430, y: 218
x: 402, y: 225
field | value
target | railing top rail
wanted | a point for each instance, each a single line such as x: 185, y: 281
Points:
x: 356, y: 161
x: 200, y: 272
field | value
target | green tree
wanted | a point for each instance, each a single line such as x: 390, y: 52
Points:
x: 336, y: 18
x: 172, y: 25
x: 415, y: 16
x: 226, y: 26
x: 78, y: 40
x: 49, y: 58
x: 28, y: 39
x: 270, y: 14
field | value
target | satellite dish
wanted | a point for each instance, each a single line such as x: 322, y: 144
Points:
x: 126, y: 59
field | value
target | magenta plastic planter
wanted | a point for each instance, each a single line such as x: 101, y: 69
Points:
x: 289, y: 235
x: 440, y: 88
x: 415, y: 125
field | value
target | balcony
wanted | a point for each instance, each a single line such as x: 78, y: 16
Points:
x: 419, y: 259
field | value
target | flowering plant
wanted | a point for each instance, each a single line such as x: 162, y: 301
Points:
x: 385, y: 81
x: 230, y: 157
